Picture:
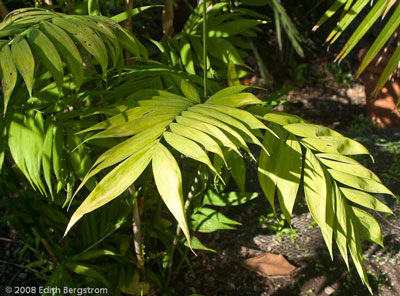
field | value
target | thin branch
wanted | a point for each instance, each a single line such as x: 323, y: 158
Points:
x: 136, y: 230
x: 168, y: 19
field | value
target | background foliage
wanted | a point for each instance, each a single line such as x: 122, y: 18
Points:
x: 96, y: 104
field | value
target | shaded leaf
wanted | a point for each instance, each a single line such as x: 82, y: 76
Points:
x: 23, y: 60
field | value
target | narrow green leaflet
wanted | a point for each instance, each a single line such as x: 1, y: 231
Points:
x: 209, y: 220
x: 79, y: 155
x: 196, y: 244
x: 94, y: 7
x: 233, y: 28
x: 187, y: 89
x: 23, y: 60
x: 121, y: 118
x: 365, y: 199
x: 134, y: 127
x: 187, y: 56
x: 87, y: 272
x: 114, y: 183
x: 345, y: 165
x: 217, y: 215
x: 198, y: 136
x: 9, y: 74
x: 234, y: 100
x: 227, y: 199
x: 265, y: 178
x: 330, y: 12
x: 232, y: 75
x: 168, y: 178
x: 59, y: 155
x: 66, y: 48
x: 340, y: 223
x: 356, y: 253
x: 209, y: 129
x: 219, y: 124
x: 318, y: 191
x: 367, y: 226
x: 279, y: 173
x: 237, y: 169
x: 15, y: 143
x: 337, y: 145
x: 33, y: 136
x: 48, y: 54
x: 188, y: 148
x: 392, y: 24
x: 87, y: 38
x: 130, y: 13
x: 201, y: 109
x: 376, y: 11
x: 310, y: 130
x: 282, y: 118
x: 225, y: 51
x: 245, y: 117
x: 346, y: 20
x: 47, y: 151
x: 391, y: 66
x: 93, y: 254
x: 131, y: 43
x: 123, y: 150
x: 361, y: 183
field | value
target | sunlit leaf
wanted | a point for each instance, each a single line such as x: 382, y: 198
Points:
x: 318, y: 192
x: 9, y: 74
x: 168, y: 178
x: 366, y: 200
x: 358, y: 182
x: 338, y: 145
x: 114, y: 183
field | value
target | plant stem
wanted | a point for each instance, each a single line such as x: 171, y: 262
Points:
x: 128, y: 5
x: 136, y: 231
x: 168, y: 19
x: 50, y: 251
x: 3, y: 10
x: 205, y: 46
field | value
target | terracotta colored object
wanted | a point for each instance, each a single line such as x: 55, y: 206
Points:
x: 382, y: 107
x: 269, y: 265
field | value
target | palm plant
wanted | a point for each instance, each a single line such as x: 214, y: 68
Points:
x: 80, y: 103
x: 387, y: 36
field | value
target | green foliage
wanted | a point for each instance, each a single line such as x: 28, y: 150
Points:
x: 86, y: 116
x: 379, y: 9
